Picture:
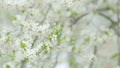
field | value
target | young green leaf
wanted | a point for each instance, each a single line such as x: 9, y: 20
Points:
x: 114, y: 56
x: 8, y: 39
x: 106, y: 33
x: 22, y: 45
x: 44, y: 47
x: 7, y: 66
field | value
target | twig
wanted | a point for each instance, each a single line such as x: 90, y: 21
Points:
x: 93, y: 59
x: 36, y: 37
x: 45, y: 16
x: 56, y: 61
x: 23, y: 63
x: 106, y: 17
x: 78, y: 18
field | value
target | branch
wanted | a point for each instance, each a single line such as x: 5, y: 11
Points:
x: 109, y: 19
x: 93, y: 59
x: 106, y: 17
x: 45, y: 16
x: 56, y: 61
x: 23, y: 63
x: 79, y: 18
x: 36, y: 37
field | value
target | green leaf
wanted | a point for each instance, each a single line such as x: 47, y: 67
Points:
x: 49, y: 38
x: 22, y: 45
x: 37, y: 53
x: 21, y: 26
x: 87, y: 39
x: 13, y: 18
x: 104, y: 1
x: 11, y: 57
x: 72, y: 62
x: 23, y: 10
x: 58, y: 12
x: 7, y: 66
x: 56, y: 23
x: 114, y: 56
x: 68, y: 9
x: 59, y: 40
x: 8, y: 39
x: 72, y: 40
x: 13, y: 51
x: 73, y: 48
x: 106, y: 33
x: 44, y: 47
x: 73, y: 13
x: 95, y: 11
x: 31, y: 14
x: 57, y: 31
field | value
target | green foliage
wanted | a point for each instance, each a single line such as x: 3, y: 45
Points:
x: 37, y: 53
x: 7, y: 66
x: 73, y: 48
x: 13, y: 18
x: 72, y: 62
x: 12, y: 57
x: 57, y: 28
x: 73, y: 13
x: 44, y: 47
x: 31, y: 14
x: 104, y: 1
x: 114, y: 56
x: 87, y: 39
x: 95, y: 11
x: 21, y: 26
x: 22, y: 45
x: 23, y: 10
x: 106, y: 33
x: 58, y: 12
x: 50, y: 38
x: 57, y: 31
x: 8, y: 39
x: 72, y: 40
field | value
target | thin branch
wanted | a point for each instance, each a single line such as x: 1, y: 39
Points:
x: 79, y: 18
x: 46, y: 14
x: 23, y: 63
x: 106, y: 17
x: 56, y: 61
x: 93, y: 59
x: 36, y: 37
x: 57, y: 56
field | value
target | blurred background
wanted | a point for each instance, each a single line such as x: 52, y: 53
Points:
x: 76, y: 33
